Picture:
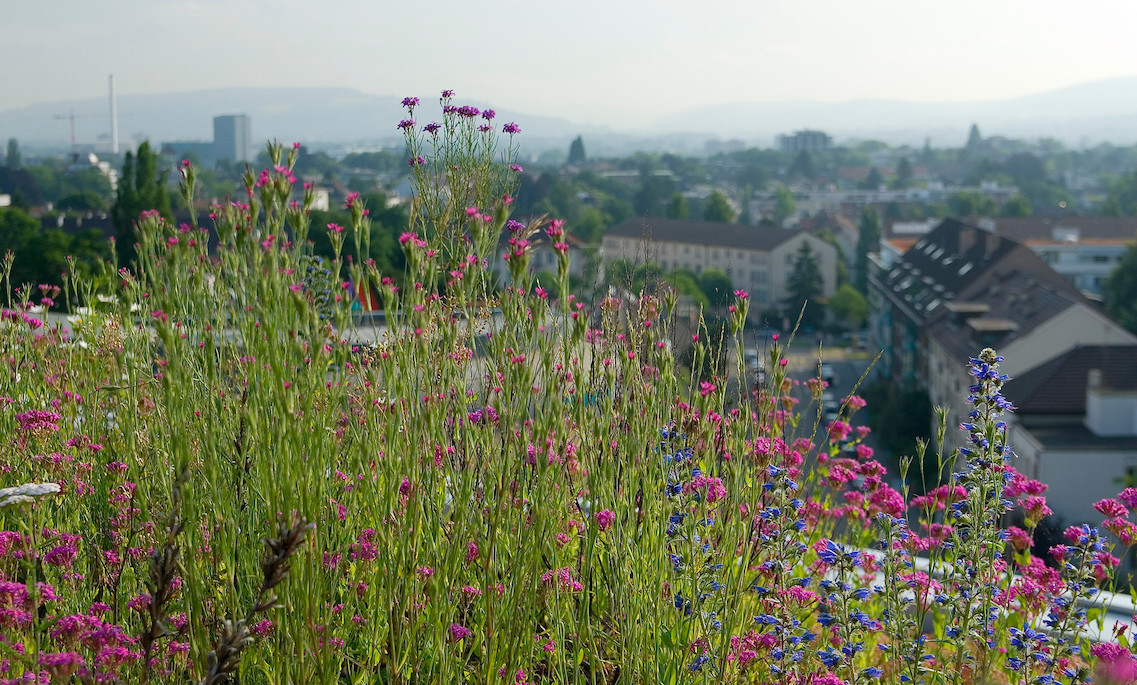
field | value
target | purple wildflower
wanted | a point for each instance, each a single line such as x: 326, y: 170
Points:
x: 511, y: 128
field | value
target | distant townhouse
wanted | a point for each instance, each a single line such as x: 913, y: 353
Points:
x: 970, y: 276
x: 1084, y: 249
x: 757, y: 259
x: 962, y: 288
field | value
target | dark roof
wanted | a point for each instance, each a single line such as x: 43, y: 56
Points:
x: 1059, y: 385
x: 703, y: 233
x: 1045, y: 228
x: 957, y: 262
x: 1075, y: 437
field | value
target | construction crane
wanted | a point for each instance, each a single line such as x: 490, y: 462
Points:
x: 72, y: 116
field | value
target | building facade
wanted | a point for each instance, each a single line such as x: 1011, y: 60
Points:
x: 233, y: 138
x: 757, y: 259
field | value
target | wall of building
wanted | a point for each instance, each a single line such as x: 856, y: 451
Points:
x: 1077, y: 325
x: 1110, y: 413
x: 1077, y: 479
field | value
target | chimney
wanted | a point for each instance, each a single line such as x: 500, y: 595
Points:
x: 1093, y: 379
x: 114, y: 117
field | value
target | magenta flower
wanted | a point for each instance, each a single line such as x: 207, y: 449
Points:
x: 446, y: 94
x: 410, y: 101
x: 406, y: 124
x: 605, y: 519
x: 458, y: 632
x: 431, y: 128
x: 511, y: 128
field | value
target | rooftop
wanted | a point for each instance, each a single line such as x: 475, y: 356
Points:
x: 1059, y: 385
x: 762, y: 238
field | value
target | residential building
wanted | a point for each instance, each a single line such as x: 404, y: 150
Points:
x: 1084, y: 249
x: 233, y: 138
x: 804, y: 141
x: 960, y: 286
x: 1075, y: 427
x: 758, y: 259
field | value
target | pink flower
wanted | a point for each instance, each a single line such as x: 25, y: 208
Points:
x: 458, y: 632
x: 713, y: 487
x: 1128, y: 497
x: 1111, y: 508
x: 605, y: 519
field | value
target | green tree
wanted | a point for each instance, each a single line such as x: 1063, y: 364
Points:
x: 41, y: 255
x: 804, y: 285
x: 653, y: 191
x: 1121, y: 291
x: 576, y: 152
x: 718, y: 209
x: 868, y: 242
x: 678, y: 208
x: 141, y: 188
x: 82, y: 201
x: 903, y: 174
x: 1016, y: 206
x: 1121, y: 200
x: 873, y: 181
x: 1025, y: 168
x: 802, y: 166
x: 716, y: 285
x: 850, y: 306
x: 967, y: 203
x: 13, y: 161
x: 784, y: 206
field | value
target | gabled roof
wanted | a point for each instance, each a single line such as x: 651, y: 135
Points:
x: 964, y: 263
x: 762, y: 238
x: 1059, y: 385
x: 1048, y: 228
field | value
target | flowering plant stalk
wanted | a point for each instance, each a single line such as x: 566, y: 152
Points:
x: 495, y: 486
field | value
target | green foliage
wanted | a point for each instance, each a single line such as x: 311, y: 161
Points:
x: 13, y: 160
x: 802, y: 166
x: 381, y: 162
x: 849, y: 306
x: 576, y: 151
x: 654, y: 190
x: 1121, y: 291
x: 718, y: 209
x: 142, y: 187
x: 783, y: 204
x: 804, y: 285
x: 716, y: 285
x: 1016, y: 206
x: 678, y: 208
x: 969, y: 203
x: 903, y: 174
x: 82, y: 201
x: 1121, y: 200
x: 873, y: 181
x: 41, y: 255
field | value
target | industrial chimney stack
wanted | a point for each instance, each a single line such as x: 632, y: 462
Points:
x: 114, y: 118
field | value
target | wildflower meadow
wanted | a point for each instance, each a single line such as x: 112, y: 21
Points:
x: 216, y: 474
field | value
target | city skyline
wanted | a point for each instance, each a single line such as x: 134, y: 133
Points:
x: 618, y: 64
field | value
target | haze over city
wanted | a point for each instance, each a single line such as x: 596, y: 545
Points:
x: 624, y: 65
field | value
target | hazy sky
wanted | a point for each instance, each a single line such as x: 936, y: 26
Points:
x: 617, y: 62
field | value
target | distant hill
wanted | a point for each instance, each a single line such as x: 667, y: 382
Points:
x: 324, y: 115
x: 1103, y: 111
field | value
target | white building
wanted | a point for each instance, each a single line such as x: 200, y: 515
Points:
x: 757, y: 259
x: 1076, y: 427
